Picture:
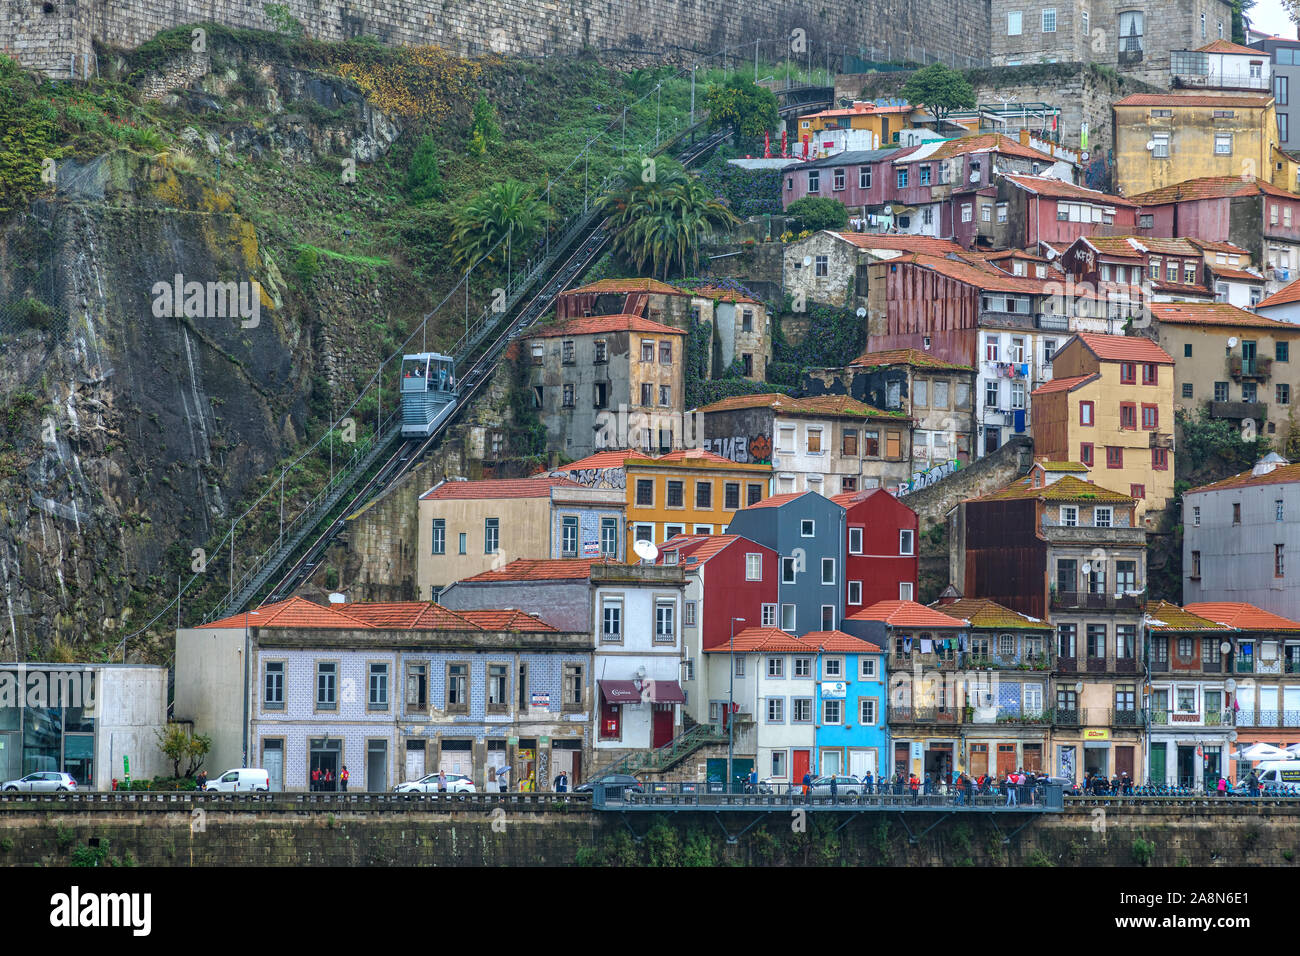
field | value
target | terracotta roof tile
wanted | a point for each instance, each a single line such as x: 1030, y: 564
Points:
x: 407, y: 615
x: 905, y: 614
x: 695, y: 454
x: 1124, y: 348
x: 383, y: 615
x: 913, y: 357
x: 981, y: 612
x: 696, y: 549
x: 996, y: 142
x: 594, y: 324
x: 1209, y: 187
x: 539, y: 486
x: 923, y: 244
x: 545, y: 569
x: 1244, y: 617
x: 1048, y: 465
x: 1046, y: 186
x: 1171, y: 617
x: 1242, y: 101
x: 771, y: 640
x: 1067, y: 488
x: 837, y: 642
x: 1213, y: 313
x: 837, y: 406
x: 508, y: 619
x: 1283, y: 296
x: 291, y: 612
x: 1064, y: 384
x: 604, y: 459
x: 626, y: 286
x: 1235, y: 274
x: 1212, y: 246
x: 1281, y: 475
x: 722, y: 295
x: 1227, y: 46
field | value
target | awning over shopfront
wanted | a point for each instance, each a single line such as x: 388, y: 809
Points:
x: 619, y: 691
x: 665, y: 692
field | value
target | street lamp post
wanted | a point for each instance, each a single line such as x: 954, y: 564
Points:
x: 731, y: 708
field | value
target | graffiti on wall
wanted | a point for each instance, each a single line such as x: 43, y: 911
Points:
x: 742, y: 449
x: 933, y: 475
x: 615, y: 478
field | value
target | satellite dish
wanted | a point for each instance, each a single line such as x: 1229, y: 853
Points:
x: 645, y: 550
x: 1084, y: 156
x: 862, y: 313
x: 640, y: 671
x: 889, y: 210
x: 1151, y: 145
x: 807, y: 260
x: 1087, y: 568
x: 1232, y: 341
x: 337, y: 598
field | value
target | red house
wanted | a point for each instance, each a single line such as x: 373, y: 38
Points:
x: 1033, y: 209
x: 880, y: 562
x: 727, y: 576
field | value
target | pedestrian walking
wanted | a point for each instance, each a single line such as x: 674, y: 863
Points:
x: 328, y: 781
x: 866, y: 783
x: 835, y: 790
x: 343, y: 779
x: 751, y: 785
x: 503, y: 779
x: 1013, y: 789
x: 315, y: 780
x: 807, y: 781
x: 1253, y: 783
x: 928, y: 787
x: 914, y: 784
x: 1223, y: 786
x: 562, y: 782
x: 442, y: 781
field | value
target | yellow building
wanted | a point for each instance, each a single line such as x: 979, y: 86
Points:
x: 1167, y: 138
x: 690, y: 491
x: 1110, y: 405
x: 883, y: 122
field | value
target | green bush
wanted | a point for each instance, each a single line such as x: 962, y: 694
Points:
x: 423, y: 177
x: 819, y: 212
x: 307, y: 265
x: 1143, y: 851
x: 36, y: 313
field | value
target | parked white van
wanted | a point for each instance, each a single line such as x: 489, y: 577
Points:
x: 1274, y: 773
x: 240, y: 780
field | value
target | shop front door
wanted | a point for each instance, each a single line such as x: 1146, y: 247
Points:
x: 663, y: 725
x: 800, y: 763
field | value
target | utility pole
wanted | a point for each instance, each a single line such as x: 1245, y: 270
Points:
x: 693, y: 66
x: 731, y: 709
x: 658, y: 89
x: 755, y: 62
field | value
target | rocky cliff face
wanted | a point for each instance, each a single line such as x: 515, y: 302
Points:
x: 129, y: 428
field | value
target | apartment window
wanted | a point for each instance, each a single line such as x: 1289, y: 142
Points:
x: 491, y: 535
x: 1101, y: 517
x: 801, y: 710
x: 1196, y: 516
x: 787, y: 570
x: 1236, y: 512
x: 907, y: 541
x: 768, y: 615
x: 776, y: 710
x: 1189, y: 273
x: 870, y: 444
x: 828, y: 570
x: 753, y: 493
x: 1220, y: 391
x: 572, y: 689
x: 1146, y: 220
x: 1096, y: 640
x: 1160, y: 151
x: 1013, y: 23
x: 740, y: 666
x: 1249, y: 392
x: 611, y: 620
x: 1279, y: 510
x: 647, y: 350
x: 458, y: 688
x: 832, y: 712
x: 893, y: 444
x: 439, y: 536
x: 905, y: 590
x: 377, y: 687
x: 1127, y: 373
x: 1128, y: 415
x: 497, y: 687
x: 1114, y: 456
x: 855, y: 592
x: 1017, y: 394
x: 645, y: 493
x: 666, y: 352
x: 1223, y: 144
x: 1085, y: 453
x: 867, y: 669
x: 1272, y: 214
x: 273, y: 683
x: 704, y: 495
x: 855, y: 540
x: 601, y: 352
x: 838, y: 179
x: 1282, y: 394
x: 463, y: 543
x: 967, y: 212
x: 785, y: 438
x: 1202, y: 26
x: 569, y: 400
x: 776, y: 667
x: 1150, y: 417
x: 417, y: 687
x: 864, y: 177
x: 1279, y: 560
x: 327, y: 675
x: 569, y: 536
x: 1281, y: 93
x: 1002, y: 212
x: 1069, y: 516
x: 754, y: 567
x: 1160, y: 459
x: 566, y: 352
x: 924, y: 174
x: 814, y: 441
x: 731, y: 496
x: 814, y: 181
x: 1137, y: 491
x: 787, y: 617
x: 1049, y: 20
x: 1086, y: 413
x: 676, y: 494
x: 600, y: 395
x: 902, y: 179
x: 849, y: 443
x: 1187, y: 390
x: 848, y: 483
x: 821, y: 266
x: 807, y: 528
x: 665, y: 395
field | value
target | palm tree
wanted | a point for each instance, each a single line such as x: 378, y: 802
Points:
x: 507, y: 208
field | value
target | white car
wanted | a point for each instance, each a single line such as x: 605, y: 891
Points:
x: 45, y: 781
x: 241, y: 780
x: 456, y: 783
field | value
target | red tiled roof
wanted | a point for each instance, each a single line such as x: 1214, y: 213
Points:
x: 1245, y: 617
x: 1064, y: 384
x: 544, y: 569
x: 1283, y: 296
x: 863, y: 109
x: 1124, y: 348
x: 1237, y: 275
x: 1171, y: 617
x: 291, y: 612
x: 594, y: 324
x: 1045, y: 186
x: 772, y: 640
x: 697, y: 549
x: 508, y: 619
x: 1065, y: 488
x: 912, y: 357
x: 923, y: 244
x: 905, y: 614
x: 721, y: 295
x: 1209, y: 187
x: 847, y: 499
x: 840, y: 406
x: 1179, y: 288
x: 1242, y: 101
x: 996, y: 142
x: 1212, y: 246
x: 837, y: 642
x: 1281, y: 475
x: 604, y: 459
x: 626, y: 286
x: 695, y: 454
x: 980, y: 276
x: 1227, y: 46
x: 407, y: 615
x: 538, y: 486
x: 1112, y: 246
x: 1213, y: 313
x: 981, y: 612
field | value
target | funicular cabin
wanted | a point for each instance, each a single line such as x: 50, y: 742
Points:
x: 428, y: 392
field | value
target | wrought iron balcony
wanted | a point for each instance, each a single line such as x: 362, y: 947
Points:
x: 1066, y: 600
x: 1267, y: 718
x: 1238, y: 410
x: 907, y: 714
x: 1258, y: 368
x: 1014, y: 715
x: 1052, y: 323
x: 1067, y: 717
x: 1127, y: 718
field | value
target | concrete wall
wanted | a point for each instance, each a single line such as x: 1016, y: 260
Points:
x: 947, y: 28
x: 209, y: 690
x: 132, y: 705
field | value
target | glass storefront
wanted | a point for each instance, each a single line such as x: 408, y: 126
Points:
x: 43, y: 738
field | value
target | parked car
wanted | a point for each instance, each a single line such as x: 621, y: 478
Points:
x: 845, y: 786
x: 629, y: 783
x: 1068, y: 786
x: 47, y: 781
x: 456, y: 783
x: 241, y: 780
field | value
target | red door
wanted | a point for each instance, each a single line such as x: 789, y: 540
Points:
x: 663, y: 725
x: 799, y: 766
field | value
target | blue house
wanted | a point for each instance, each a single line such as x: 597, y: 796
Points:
x: 852, y: 733
x: 807, y: 531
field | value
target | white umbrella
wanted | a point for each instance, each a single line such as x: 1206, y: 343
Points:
x: 1294, y: 749
x: 1265, y: 752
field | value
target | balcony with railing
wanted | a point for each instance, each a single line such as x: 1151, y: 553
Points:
x: 1215, y: 80
x: 1026, y: 661
x: 932, y: 661
x: 1052, y: 323
x: 1090, y: 601
x: 1067, y: 717
x: 1258, y: 368
x: 1016, y: 715
x: 1126, y: 718
x: 907, y: 714
x: 1255, y: 717
x: 1161, y: 717
x: 1238, y: 411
